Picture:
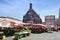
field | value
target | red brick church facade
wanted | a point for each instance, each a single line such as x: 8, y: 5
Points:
x: 31, y: 16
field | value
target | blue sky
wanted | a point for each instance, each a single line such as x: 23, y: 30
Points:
x: 18, y: 8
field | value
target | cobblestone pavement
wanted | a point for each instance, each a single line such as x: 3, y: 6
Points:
x: 44, y: 36
x: 9, y: 38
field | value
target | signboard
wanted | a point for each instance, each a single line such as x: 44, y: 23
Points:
x: 4, y: 24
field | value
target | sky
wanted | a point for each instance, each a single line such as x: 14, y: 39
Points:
x: 18, y: 8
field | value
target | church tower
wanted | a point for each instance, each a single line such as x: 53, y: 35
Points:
x: 31, y: 16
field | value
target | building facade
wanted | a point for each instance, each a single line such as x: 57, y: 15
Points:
x: 31, y: 16
x: 50, y: 20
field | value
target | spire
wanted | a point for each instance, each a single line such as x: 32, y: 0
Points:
x: 59, y: 13
x: 30, y: 5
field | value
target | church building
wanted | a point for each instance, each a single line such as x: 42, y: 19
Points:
x: 31, y: 16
